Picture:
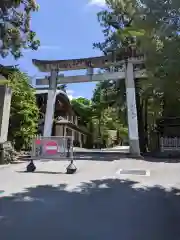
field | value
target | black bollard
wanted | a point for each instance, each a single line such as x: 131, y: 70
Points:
x: 2, y: 157
x: 31, y: 167
x: 71, y: 168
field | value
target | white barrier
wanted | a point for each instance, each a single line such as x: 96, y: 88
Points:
x: 55, y: 147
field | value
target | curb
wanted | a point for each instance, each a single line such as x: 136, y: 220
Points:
x: 4, y: 166
x: 11, y: 164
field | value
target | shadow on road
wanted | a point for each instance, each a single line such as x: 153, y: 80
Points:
x: 102, y: 209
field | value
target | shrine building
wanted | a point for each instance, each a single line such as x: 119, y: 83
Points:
x: 66, y: 119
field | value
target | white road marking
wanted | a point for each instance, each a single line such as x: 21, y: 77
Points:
x: 147, y: 172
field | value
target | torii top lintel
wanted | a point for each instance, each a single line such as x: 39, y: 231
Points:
x: 72, y: 64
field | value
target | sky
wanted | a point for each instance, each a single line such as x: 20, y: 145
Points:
x: 66, y: 29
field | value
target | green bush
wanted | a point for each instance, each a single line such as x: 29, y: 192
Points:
x: 24, y: 111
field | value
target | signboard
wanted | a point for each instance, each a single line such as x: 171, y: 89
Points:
x: 51, y: 148
x: 55, y: 147
x: 72, y: 64
x: 38, y: 142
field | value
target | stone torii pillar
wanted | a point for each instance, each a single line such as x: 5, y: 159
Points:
x: 131, y: 110
x: 51, y: 99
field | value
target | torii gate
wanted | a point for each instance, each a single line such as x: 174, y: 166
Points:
x: 128, y: 73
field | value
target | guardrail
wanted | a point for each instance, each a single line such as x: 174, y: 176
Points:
x: 169, y: 144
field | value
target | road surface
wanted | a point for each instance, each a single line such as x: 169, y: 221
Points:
x: 120, y: 149
x: 95, y: 203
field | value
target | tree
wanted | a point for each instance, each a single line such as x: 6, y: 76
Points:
x: 150, y: 27
x: 15, y: 30
x: 161, y: 44
x: 83, y: 107
x: 81, y: 100
x: 106, y: 111
x: 24, y: 112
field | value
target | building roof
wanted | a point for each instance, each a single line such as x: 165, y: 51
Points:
x: 60, y: 96
x: 58, y: 92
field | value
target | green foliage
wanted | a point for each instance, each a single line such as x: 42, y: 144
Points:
x: 15, y: 30
x: 151, y: 28
x: 162, y: 46
x: 117, y: 26
x: 108, y: 111
x: 84, y: 101
x: 24, y: 111
x: 97, y: 114
x: 83, y: 107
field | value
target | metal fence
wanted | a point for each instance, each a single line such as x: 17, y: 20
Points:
x: 55, y: 147
x: 169, y: 144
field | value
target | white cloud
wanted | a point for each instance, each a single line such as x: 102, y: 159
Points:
x: 71, y: 94
x: 101, y: 3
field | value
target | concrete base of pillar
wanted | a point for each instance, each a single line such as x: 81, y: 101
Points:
x: 134, y: 149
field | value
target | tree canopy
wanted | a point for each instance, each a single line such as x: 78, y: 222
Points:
x: 15, y: 29
x: 83, y: 107
x: 149, y: 28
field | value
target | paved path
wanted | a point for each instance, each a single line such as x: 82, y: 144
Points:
x: 93, y: 204
x: 120, y: 149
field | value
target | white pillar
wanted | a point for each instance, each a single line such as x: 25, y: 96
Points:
x: 65, y: 130
x: 73, y: 134
x: 76, y: 120
x: 5, y: 106
x: 80, y: 141
x: 49, y: 117
x: 132, y: 110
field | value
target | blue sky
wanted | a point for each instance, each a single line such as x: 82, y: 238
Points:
x: 66, y: 29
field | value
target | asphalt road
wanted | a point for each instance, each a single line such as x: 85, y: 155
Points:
x: 93, y: 204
